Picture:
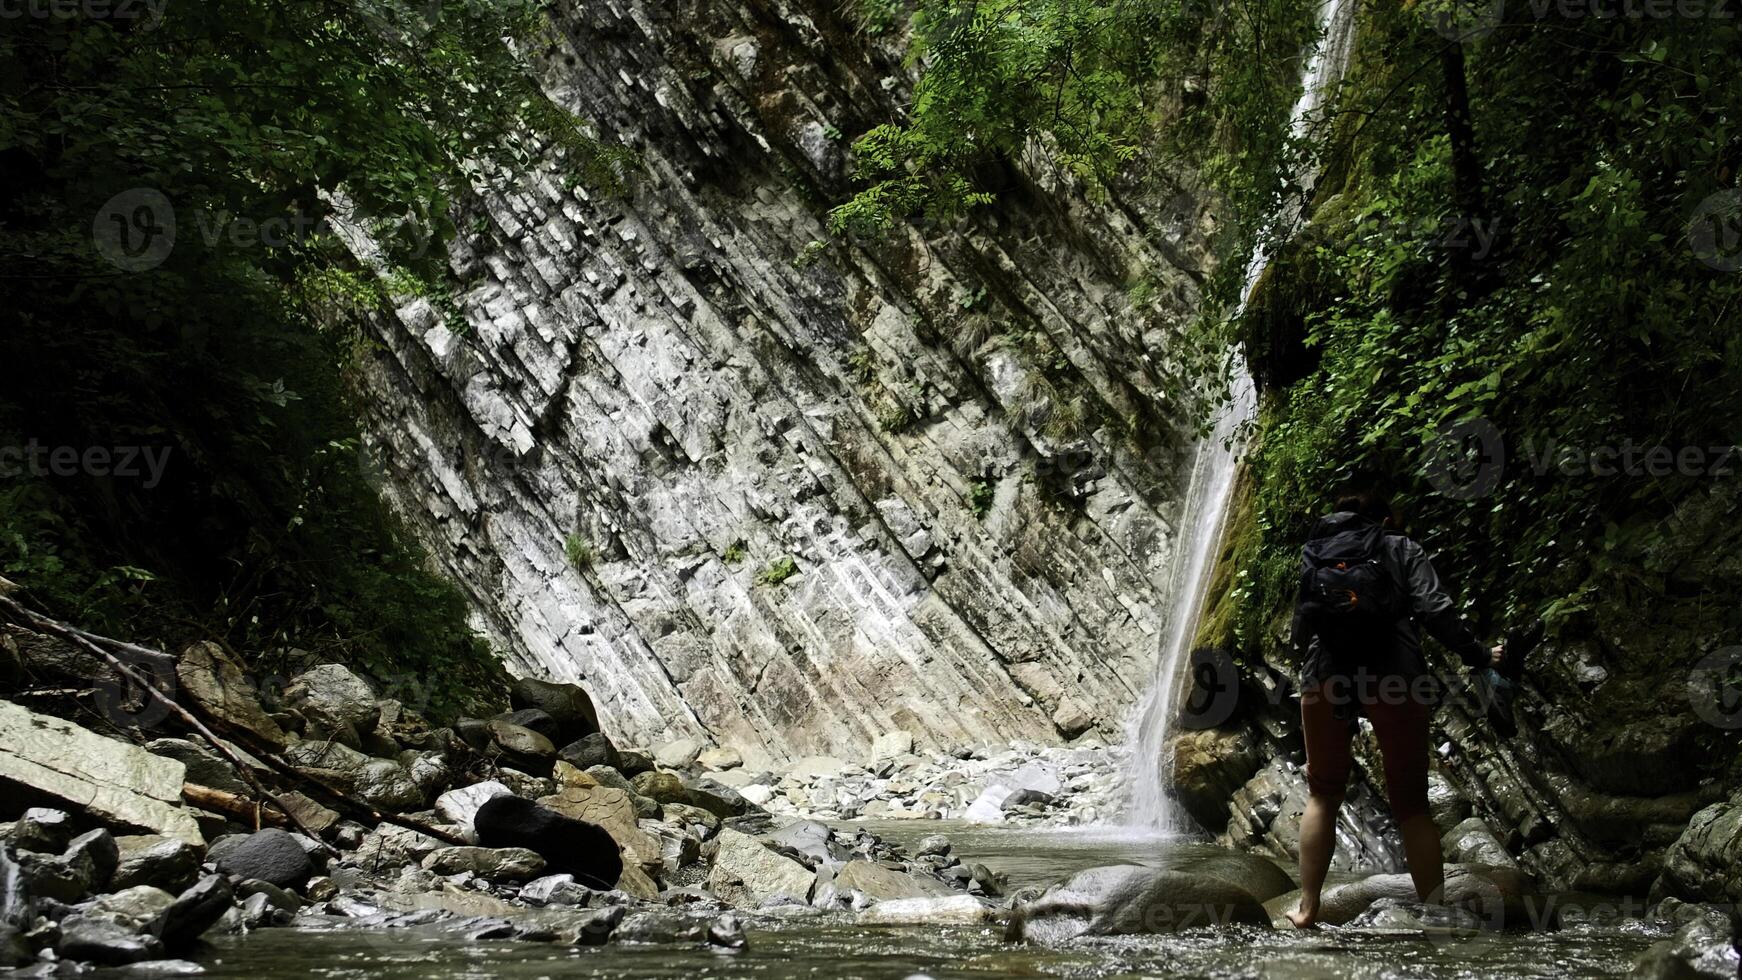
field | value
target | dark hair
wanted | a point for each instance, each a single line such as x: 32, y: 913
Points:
x: 1369, y: 502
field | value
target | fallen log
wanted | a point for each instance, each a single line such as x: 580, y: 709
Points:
x: 230, y: 805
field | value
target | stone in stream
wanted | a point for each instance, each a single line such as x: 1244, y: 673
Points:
x: 460, y: 806
x: 1471, y: 842
x: 678, y: 753
x: 220, y: 685
x: 152, y: 859
x: 555, y: 890
x: 1705, y: 862
x: 567, y: 704
x: 271, y: 855
x: 42, y: 829
x: 947, y: 910
x: 338, y: 704
x: 130, y: 908
x: 193, y: 912
x: 568, y: 846
x: 1703, y: 946
x: 1128, y: 899
x: 591, y: 750
x: 746, y: 873
x: 811, y: 840
x: 106, y: 780
x: 880, y: 883
x: 500, y: 864
x: 1500, y: 898
x: 104, y: 943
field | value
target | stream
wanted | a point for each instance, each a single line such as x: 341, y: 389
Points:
x: 835, y: 946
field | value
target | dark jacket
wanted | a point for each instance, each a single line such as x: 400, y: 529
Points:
x: 1429, y: 607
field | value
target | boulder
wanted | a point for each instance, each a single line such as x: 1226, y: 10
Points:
x: 460, y: 806
x: 1445, y: 802
x: 591, y: 750
x: 567, y: 704
x: 719, y: 758
x: 555, y: 890
x: 104, y: 943
x: 204, y: 767
x: 218, y: 683
x: 1208, y: 767
x: 811, y: 840
x: 271, y: 855
x: 42, y: 829
x: 192, y: 913
x: 490, y: 863
x: 152, y: 859
x: 130, y: 908
x: 338, y: 704
x: 745, y: 872
x: 1705, y: 862
x: 1499, y: 898
x: 614, y: 811
x: 891, y: 745
x: 1471, y: 842
x: 568, y: 846
x: 814, y: 767
x: 678, y: 753
x: 706, y: 794
x: 1703, y: 947
x: 523, y: 748
x: 1128, y: 899
x: 1257, y: 875
x: 533, y: 719
x: 107, y: 780
x: 633, y: 762
x: 313, y: 815
x: 389, y: 846
x: 387, y: 785
x: 964, y: 910
x: 329, y: 761
x: 880, y: 883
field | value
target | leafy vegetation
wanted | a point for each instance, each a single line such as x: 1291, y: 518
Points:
x: 167, y: 190
x: 579, y: 551
x: 777, y: 571
x: 981, y: 494
x: 1581, y: 302
x: 734, y: 553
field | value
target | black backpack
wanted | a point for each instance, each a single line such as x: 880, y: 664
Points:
x: 1347, y: 595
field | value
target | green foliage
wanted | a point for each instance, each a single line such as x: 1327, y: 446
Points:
x: 981, y: 494
x: 1591, y: 322
x: 735, y: 552
x: 250, y: 125
x: 777, y: 571
x: 579, y: 551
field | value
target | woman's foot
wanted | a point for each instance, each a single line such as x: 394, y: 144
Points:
x: 1304, y: 917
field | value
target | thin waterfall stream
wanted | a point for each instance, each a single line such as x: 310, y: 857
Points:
x: 1148, y: 734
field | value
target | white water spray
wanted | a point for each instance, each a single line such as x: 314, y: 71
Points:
x: 1214, y: 466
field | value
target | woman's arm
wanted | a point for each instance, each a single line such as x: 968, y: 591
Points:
x: 1433, y: 608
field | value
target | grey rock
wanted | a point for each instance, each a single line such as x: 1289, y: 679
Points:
x: 152, y: 859
x: 568, y: 704
x: 591, y: 751
x: 220, y: 685
x: 1705, y: 862
x: 43, y: 829
x: 204, y: 767
x: 131, y: 908
x: 880, y: 883
x: 745, y: 872
x: 1471, y: 842
x: 460, y: 806
x: 932, y: 844
x: 634, y: 762
x: 280, y: 898
x: 339, y: 704
x: 110, y: 781
x: 1127, y: 899
x: 555, y: 890
x: 105, y: 943
x: 388, y: 785
x: 503, y: 864
x: 678, y: 753
x: 727, y: 932
x: 811, y: 839
x: 192, y: 913
x: 533, y: 719
x: 271, y: 855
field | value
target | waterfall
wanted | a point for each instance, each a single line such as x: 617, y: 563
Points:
x: 1211, y: 487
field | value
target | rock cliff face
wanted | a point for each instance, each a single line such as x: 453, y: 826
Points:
x: 748, y: 481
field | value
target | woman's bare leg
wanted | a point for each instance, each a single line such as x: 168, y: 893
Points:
x: 1318, y: 838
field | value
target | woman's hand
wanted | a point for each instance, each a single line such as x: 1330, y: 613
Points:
x: 1497, y: 656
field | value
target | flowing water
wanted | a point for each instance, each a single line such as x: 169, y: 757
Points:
x: 1216, y: 463
x: 836, y: 948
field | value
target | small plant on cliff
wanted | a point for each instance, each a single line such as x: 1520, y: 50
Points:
x: 863, y: 361
x: 980, y: 495
x: 777, y: 571
x: 579, y: 551
x: 734, y: 552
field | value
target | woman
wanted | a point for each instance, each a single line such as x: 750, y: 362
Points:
x: 1366, y: 592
